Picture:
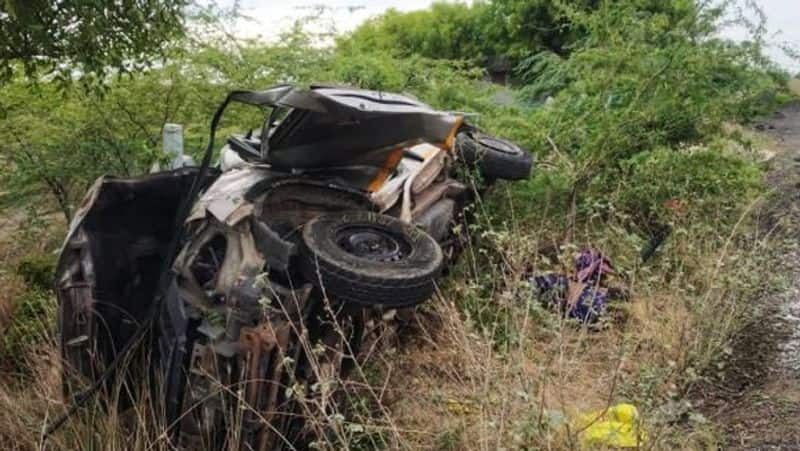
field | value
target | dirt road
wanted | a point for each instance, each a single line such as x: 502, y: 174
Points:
x: 757, y: 404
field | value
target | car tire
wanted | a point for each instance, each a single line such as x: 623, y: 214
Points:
x: 370, y: 259
x: 495, y: 158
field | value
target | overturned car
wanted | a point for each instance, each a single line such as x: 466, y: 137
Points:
x: 257, y: 275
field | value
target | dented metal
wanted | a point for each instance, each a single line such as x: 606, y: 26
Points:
x: 243, y: 325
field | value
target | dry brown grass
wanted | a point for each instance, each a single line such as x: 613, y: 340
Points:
x: 455, y: 389
x: 448, y: 385
x: 13, y: 287
x: 454, y: 380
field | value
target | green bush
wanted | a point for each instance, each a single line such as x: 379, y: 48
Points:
x: 645, y: 79
x: 697, y: 184
x: 38, y: 271
x: 444, y: 31
x: 33, y: 312
x: 370, y: 71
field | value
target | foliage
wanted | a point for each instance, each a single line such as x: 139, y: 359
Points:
x: 697, y: 184
x: 37, y: 270
x: 89, y: 38
x: 625, y: 77
x: 492, y: 33
x: 642, y: 81
x: 33, y: 321
x: 496, y: 33
x: 55, y: 142
x: 639, y: 75
x: 542, y: 74
x: 444, y: 31
x: 525, y: 26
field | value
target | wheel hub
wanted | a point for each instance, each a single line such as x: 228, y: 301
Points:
x: 371, y: 243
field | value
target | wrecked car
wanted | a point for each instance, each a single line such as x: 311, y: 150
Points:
x: 255, y: 275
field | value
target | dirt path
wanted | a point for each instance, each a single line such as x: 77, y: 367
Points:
x: 757, y: 403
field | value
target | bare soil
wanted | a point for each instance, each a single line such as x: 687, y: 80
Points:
x: 756, y: 402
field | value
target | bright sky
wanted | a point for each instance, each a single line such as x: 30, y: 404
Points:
x: 783, y: 28
x: 783, y: 19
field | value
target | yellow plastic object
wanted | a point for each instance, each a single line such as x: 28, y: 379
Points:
x: 459, y: 407
x: 616, y: 427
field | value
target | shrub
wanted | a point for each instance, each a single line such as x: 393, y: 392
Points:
x: 370, y: 71
x: 38, y: 271
x: 645, y: 79
x: 695, y: 184
x: 32, y: 322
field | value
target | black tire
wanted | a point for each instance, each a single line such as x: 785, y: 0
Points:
x: 370, y: 259
x: 496, y: 158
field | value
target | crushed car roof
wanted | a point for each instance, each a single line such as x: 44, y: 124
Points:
x: 325, y: 126
x: 332, y: 100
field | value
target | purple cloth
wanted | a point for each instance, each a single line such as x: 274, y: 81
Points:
x: 590, y: 266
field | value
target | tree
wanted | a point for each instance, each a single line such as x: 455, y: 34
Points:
x: 70, y: 38
x: 483, y: 31
x: 443, y: 31
x: 55, y: 140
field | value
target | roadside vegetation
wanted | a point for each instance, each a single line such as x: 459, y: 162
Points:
x: 637, y: 113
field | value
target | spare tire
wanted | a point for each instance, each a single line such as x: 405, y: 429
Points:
x: 370, y: 259
x: 496, y: 158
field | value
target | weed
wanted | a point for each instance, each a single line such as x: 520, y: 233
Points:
x: 37, y: 270
x: 32, y: 322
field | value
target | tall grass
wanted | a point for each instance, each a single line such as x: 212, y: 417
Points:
x: 484, y: 364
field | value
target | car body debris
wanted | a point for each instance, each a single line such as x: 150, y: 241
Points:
x: 338, y: 211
